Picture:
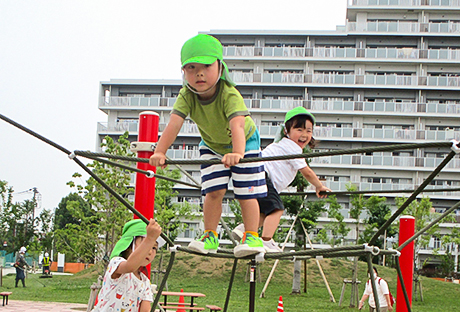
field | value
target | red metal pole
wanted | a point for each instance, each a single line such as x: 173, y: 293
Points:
x: 406, y: 260
x: 144, y: 196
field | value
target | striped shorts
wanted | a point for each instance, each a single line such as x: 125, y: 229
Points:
x: 248, y: 178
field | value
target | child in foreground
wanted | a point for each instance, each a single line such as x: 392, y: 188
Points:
x: 296, y: 134
x: 228, y: 134
x: 126, y: 286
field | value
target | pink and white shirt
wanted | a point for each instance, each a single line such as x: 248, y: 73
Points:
x: 123, y: 294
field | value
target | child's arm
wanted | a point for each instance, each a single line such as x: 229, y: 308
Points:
x: 140, y: 252
x: 361, y: 302
x: 145, y: 306
x: 238, y: 142
x: 311, y: 177
x: 166, y: 139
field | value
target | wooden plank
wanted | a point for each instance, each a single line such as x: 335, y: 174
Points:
x: 185, y: 294
x: 175, y: 303
x: 185, y: 308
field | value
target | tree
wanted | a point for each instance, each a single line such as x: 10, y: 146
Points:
x: 358, y: 205
x: 45, y: 233
x: 423, y: 213
x: 98, y: 232
x: 63, y: 216
x: 97, y: 218
x: 338, y: 228
x: 18, y: 225
x: 167, y: 213
x: 6, y: 202
x: 452, y: 239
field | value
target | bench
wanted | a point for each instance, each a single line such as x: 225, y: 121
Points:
x: 5, y: 294
x: 175, y: 307
x: 175, y: 303
x: 213, y: 308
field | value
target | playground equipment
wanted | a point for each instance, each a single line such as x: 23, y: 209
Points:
x: 367, y: 250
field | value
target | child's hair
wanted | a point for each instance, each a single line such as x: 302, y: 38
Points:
x: 376, y: 272
x: 299, y: 122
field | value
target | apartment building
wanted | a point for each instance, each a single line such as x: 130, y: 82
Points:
x: 390, y: 76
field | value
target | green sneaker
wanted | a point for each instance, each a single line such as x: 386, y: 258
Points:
x: 249, y: 245
x: 208, y: 243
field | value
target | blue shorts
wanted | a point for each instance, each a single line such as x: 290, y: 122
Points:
x: 248, y: 178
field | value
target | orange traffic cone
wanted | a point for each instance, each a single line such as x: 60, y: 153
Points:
x: 181, y: 306
x: 280, y: 305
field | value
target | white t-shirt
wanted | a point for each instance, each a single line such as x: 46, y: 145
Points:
x: 282, y: 172
x: 123, y: 294
x: 382, y: 290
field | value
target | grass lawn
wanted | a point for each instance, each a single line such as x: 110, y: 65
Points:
x: 210, y: 276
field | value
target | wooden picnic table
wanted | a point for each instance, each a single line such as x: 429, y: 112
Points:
x: 178, y: 294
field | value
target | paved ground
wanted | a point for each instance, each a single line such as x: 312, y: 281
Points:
x: 34, y: 306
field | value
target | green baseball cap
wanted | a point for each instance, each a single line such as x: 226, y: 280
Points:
x: 299, y: 111
x: 132, y: 229
x: 204, y: 49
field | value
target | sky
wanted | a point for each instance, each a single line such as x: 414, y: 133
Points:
x: 54, y: 53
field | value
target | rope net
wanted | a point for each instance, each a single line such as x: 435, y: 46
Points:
x: 342, y: 251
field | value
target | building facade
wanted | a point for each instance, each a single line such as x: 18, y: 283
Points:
x: 390, y: 76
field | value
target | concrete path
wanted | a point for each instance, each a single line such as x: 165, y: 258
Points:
x: 35, y: 306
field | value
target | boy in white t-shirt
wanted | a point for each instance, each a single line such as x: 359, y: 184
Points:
x: 296, y: 134
x: 382, y: 291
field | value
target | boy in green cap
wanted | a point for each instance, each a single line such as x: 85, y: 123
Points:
x: 126, y: 286
x: 228, y: 133
x: 294, y: 136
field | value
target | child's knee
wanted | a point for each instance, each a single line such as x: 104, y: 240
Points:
x: 214, y: 195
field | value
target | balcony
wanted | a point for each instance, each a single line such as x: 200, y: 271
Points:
x: 386, y: 133
x: 382, y: 106
x: 342, y: 186
x: 132, y: 127
x: 324, y: 105
x: 184, y: 153
x: 351, y: 79
x: 385, y: 160
x: 366, y: 186
x: 125, y: 101
x: 399, y: 27
x: 383, y: 134
x: 405, y: 3
x: 342, y: 53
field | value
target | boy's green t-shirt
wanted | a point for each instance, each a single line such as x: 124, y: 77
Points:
x: 213, y: 116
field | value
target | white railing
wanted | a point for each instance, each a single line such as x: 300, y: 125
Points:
x: 138, y: 101
x: 183, y: 153
x: 365, y: 186
x: 404, y: 27
x: 387, y: 79
x: 132, y: 126
x: 443, y: 81
x: 383, y: 160
x: 386, y: 53
x: 407, y: 3
x: 117, y: 127
x: 386, y: 133
x: 284, y: 104
x: 339, y: 105
x: 348, y: 52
